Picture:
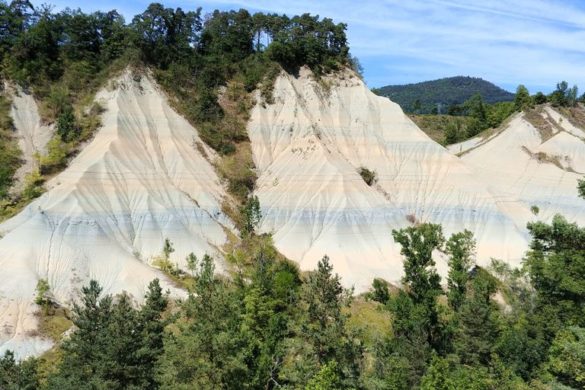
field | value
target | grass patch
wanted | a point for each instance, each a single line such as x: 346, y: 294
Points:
x: 53, y: 322
x: 370, y: 318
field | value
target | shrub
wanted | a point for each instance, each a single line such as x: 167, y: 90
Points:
x: 66, y: 125
x: 535, y: 210
x: 56, y: 156
x: 368, y: 176
x: 42, y: 290
x: 33, y: 185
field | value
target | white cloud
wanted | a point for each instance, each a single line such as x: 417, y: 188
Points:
x: 535, y: 42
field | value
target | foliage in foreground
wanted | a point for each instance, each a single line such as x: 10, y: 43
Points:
x: 269, y: 326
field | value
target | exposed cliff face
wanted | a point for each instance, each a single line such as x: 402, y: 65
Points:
x: 535, y: 160
x: 141, y: 180
x: 308, y: 147
x: 147, y: 176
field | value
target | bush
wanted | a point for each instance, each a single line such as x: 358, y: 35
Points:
x: 368, y: 176
x: 66, y: 125
x: 56, y: 157
x: 33, y: 185
x: 42, y: 290
x: 535, y: 209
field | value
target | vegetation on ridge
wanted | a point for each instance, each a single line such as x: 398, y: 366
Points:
x: 437, y: 96
x: 209, y: 66
x: 474, y: 116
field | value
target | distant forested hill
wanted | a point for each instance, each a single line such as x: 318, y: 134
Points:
x: 423, y: 98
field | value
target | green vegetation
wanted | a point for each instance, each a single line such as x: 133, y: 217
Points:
x: 252, y: 215
x: 9, y: 153
x: 444, y: 129
x: 263, y: 324
x: 66, y: 56
x: 464, y: 121
x: 368, y: 176
x: 437, y: 96
x: 473, y: 116
x: 266, y: 325
x: 42, y: 289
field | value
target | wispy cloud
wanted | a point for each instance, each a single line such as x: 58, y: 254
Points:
x: 534, y: 42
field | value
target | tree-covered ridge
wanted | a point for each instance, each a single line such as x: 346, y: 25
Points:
x: 65, y: 57
x: 437, y: 96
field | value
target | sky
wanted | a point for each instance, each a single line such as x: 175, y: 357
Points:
x: 508, y: 42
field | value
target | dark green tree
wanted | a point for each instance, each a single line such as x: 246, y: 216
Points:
x: 380, y: 291
x: 540, y: 98
x: 252, y: 215
x: 461, y: 249
x: 477, y: 329
x: 522, y: 99
x: 323, y: 335
x: 21, y: 375
x: 555, y: 263
x: 206, y: 350
x: 66, y: 125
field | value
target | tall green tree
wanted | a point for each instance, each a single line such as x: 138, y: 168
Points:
x: 115, y: 345
x: 461, y: 248
x: 416, y: 327
x: 323, y: 336
x: 421, y: 279
x: 522, y: 99
x: 555, y: 263
x: 15, y: 375
x: 206, y: 349
x: 477, y: 329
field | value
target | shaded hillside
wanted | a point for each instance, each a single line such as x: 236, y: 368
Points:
x: 423, y: 98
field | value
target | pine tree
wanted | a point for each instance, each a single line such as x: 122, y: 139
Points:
x: 205, y: 350
x: 324, y: 335
x: 477, y: 327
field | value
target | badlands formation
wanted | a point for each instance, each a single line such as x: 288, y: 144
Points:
x: 142, y: 179
x: 532, y: 164
x: 308, y: 147
x: 147, y: 176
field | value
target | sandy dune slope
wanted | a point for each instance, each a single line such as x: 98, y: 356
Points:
x: 308, y: 147
x: 32, y: 134
x: 141, y: 180
x: 533, y: 162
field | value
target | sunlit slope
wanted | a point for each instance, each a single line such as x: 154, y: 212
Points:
x: 142, y: 179
x: 308, y: 147
x: 533, y: 164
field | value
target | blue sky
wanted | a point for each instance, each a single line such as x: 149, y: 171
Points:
x: 534, y: 42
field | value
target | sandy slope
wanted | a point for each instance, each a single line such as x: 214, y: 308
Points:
x: 146, y: 176
x: 32, y: 134
x: 142, y: 179
x: 308, y: 147
x: 528, y: 167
